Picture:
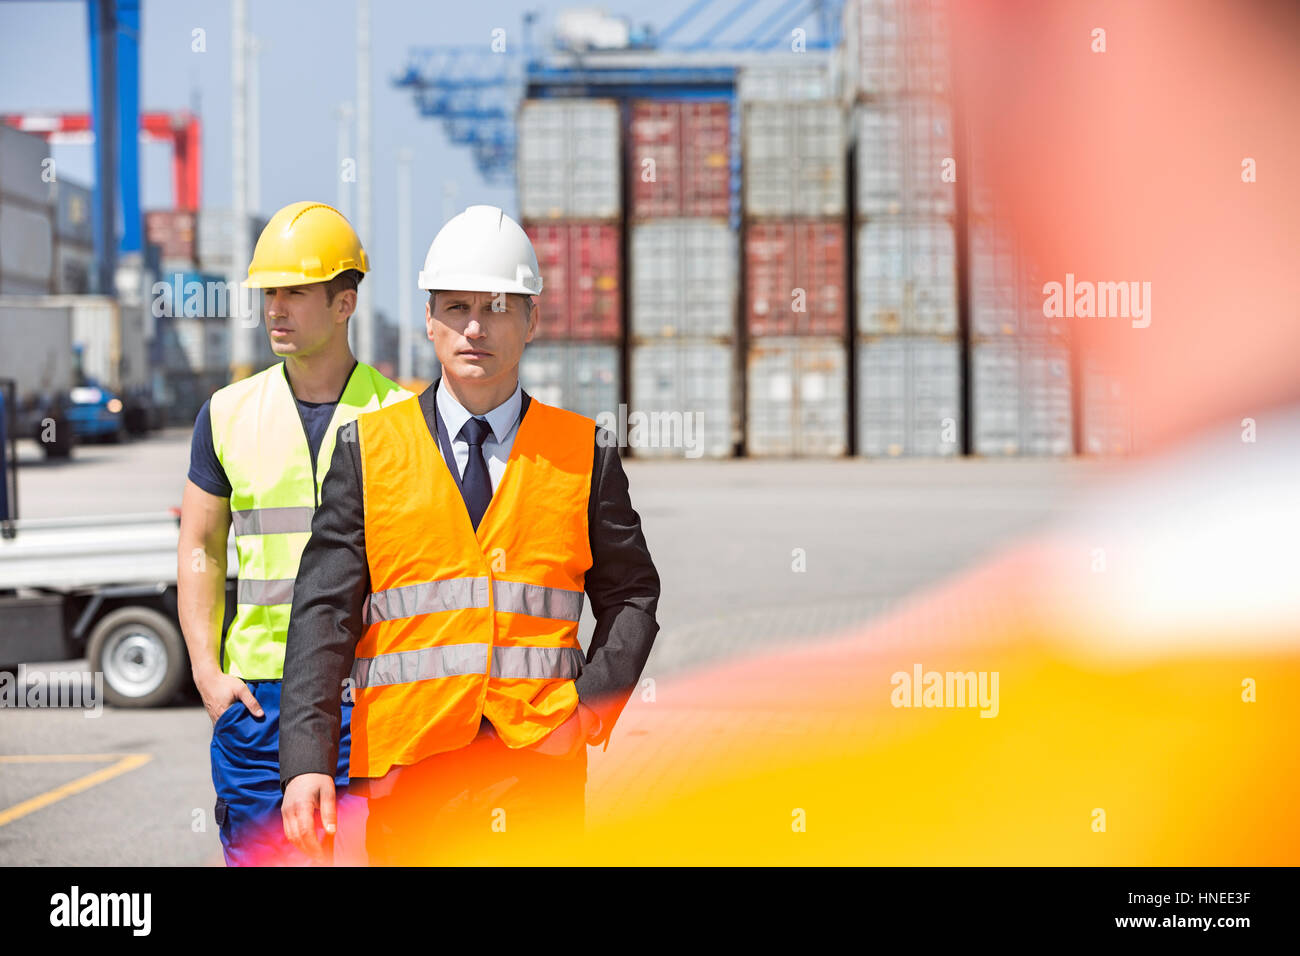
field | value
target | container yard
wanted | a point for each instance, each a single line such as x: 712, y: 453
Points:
x: 620, y: 413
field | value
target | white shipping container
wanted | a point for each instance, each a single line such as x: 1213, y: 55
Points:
x: 1006, y: 287
x: 994, y: 281
x: 97, y: 332
x: 37, y: 352
x: 111, y: 339
x: 906, y: 277
x: 1021, y: 398
x: 24, y: 167
x: 580, y: 376
x: 27, y: 244
x: 794, y: 159
x: 903, y: 144
x: 687, y: 390
x: 569, y: 159
x: 1110, y: 423
x: 215, y: 238
x: 909, y: 397
x: 796, y: 397
x: 684, y: 278
x: 786, y: 83
x: 10, y: 285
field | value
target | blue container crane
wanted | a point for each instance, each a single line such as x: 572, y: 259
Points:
x: 475, y: 92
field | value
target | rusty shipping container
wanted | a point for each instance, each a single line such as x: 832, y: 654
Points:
x: 581, y: 293
x: 895, y: 46
x: 173, y: 231
x: 679, y: 159
x: 796, y: 397
x: 795, y: 277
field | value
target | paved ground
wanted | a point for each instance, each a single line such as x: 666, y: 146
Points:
x: 729, y: 540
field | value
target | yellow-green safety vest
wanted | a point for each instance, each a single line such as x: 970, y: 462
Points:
x: 261, y: 442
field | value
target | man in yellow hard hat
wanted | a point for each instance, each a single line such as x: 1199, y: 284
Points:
x: 445, y: 579
x: 259, y: 453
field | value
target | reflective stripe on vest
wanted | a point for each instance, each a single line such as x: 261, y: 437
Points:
x: 463, y: 624
x: 272, y: 520
x: 259, y: 438
x: 453, y: 660
x: 510, y: 596
x: 264, y: 593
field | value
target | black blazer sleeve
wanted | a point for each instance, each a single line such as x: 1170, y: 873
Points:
x: 326, y: 620
x: 623, y: 586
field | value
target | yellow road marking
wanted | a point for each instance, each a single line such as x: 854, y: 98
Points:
x: 124, y: 763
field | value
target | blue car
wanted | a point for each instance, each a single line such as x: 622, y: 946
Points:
x: 95, y: 412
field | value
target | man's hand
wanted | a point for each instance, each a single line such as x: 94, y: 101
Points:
x: 220, y: 690
x: 568, y: 739
x: 305, y: 794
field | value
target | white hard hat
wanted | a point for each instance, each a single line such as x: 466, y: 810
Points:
x: 481, y: 250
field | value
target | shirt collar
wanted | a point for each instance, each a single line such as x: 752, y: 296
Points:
x: 501, y: 419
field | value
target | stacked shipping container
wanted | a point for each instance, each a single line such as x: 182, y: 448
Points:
x: 1019, y: 360
x: 796, y: 357
x: 74, y: 240
x: 683, y: 273
x: 569, y: 191
x: 908, y: 359
x: 1111, y: 423
x: 27, y: 215
x: 1020, y: 366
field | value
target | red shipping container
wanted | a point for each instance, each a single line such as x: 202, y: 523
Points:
x: 795, y: 277
x: 172, y: 231
x: 686, y: 148
x: 581, y: 293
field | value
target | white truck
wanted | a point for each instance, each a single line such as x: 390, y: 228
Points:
x: 55, y: 343
x: 99, y: 588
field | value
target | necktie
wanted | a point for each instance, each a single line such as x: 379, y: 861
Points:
x: 476, y: 483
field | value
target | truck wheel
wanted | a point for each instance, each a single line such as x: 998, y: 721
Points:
x: 141, y: 655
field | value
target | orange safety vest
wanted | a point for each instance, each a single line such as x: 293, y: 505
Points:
x: 463, y: 624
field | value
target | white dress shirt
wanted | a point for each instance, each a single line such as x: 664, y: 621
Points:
x: 503, y: 420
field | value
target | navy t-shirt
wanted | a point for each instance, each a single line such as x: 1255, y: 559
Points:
x: 205, y: 466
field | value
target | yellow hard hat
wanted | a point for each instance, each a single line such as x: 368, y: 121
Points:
x: 305, y: 242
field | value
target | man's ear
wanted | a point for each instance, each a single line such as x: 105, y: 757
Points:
x: 428, y: 319
x: 346, y: 303
x: 532, y: 320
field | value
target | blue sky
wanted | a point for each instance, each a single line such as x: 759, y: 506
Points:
x: 307, y: 69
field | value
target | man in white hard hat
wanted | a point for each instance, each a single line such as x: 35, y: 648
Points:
x: 444, y: 578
